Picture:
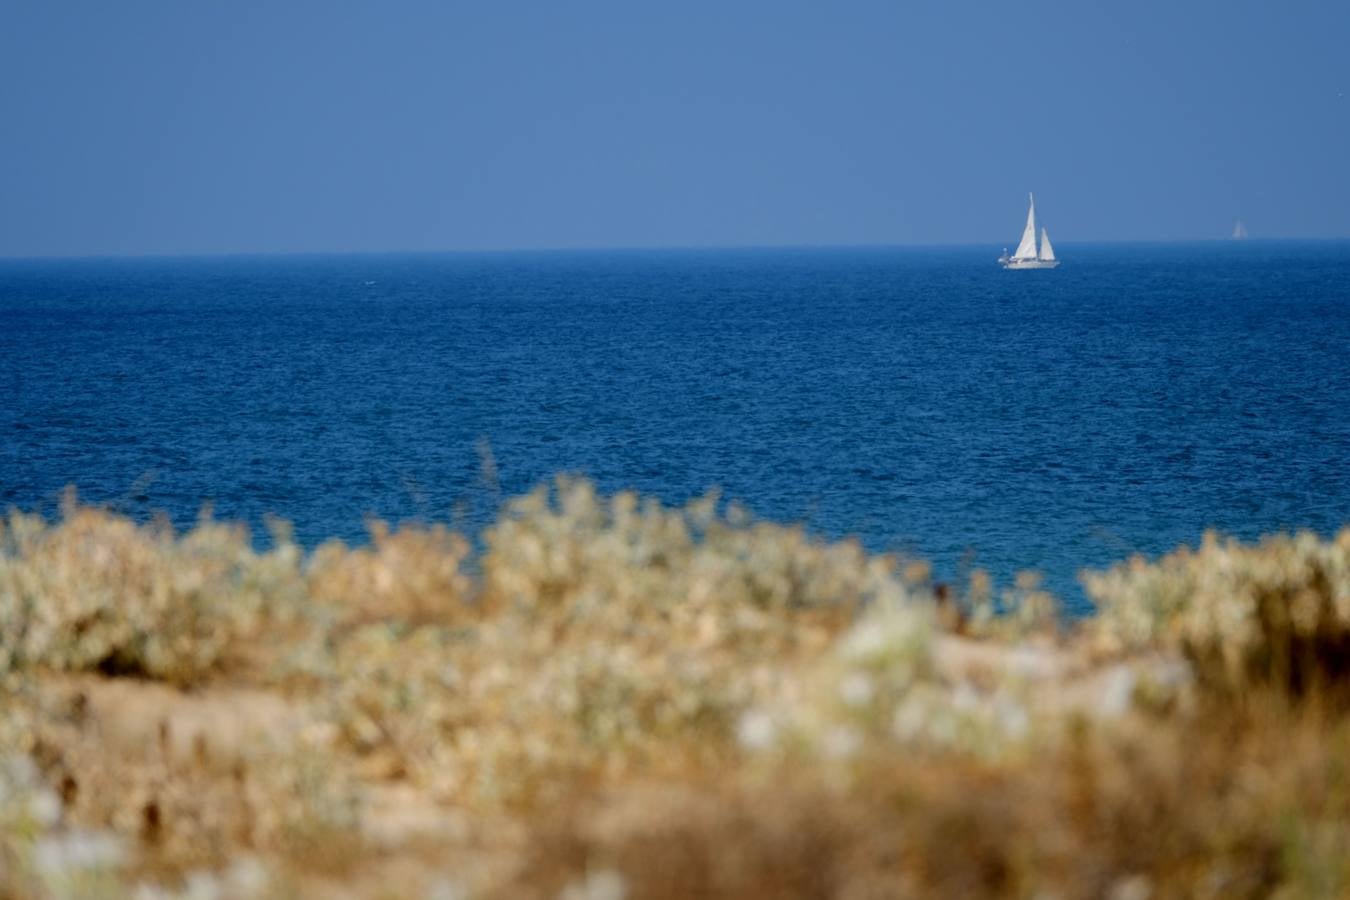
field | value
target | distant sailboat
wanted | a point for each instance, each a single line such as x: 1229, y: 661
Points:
x: 1239, y: 230
x: 1026, y: 256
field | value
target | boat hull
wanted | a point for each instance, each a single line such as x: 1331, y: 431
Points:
x: 1029, y: 263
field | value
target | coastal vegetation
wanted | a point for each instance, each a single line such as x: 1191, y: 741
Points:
x: 606, y: 697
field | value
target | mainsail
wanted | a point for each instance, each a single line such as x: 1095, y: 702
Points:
x: 1027, y: 248
x: 1047, y: 252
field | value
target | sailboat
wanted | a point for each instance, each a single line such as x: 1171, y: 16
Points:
x: 1239, y: 230
x: 1027, y: 256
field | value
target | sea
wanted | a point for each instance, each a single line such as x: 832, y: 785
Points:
x: 920, y: 400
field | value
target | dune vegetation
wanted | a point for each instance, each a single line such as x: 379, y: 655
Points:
x: 618, y: 699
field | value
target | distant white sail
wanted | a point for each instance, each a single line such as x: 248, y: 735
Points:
x: 1027, y: 248
x: 1239, y: 230
x: 1026, y: 256
x: 1047, y: 252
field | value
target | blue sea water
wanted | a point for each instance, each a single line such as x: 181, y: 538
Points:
x: 922, y: 400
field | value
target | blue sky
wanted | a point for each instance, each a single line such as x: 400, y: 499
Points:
x: 171, y: 127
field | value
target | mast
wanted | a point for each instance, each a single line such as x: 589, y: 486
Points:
x: 1047, y: 252
x: 1027, y: 248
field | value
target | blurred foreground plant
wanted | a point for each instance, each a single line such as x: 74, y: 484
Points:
x: 609, y: 629
x: 1277, y: 613
x: 96, y: 592
x: 623, y: 698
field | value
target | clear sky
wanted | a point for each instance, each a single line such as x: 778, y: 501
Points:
x: 184, y: 127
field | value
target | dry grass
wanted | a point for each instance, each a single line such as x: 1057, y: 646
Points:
x: 626, y: 699
x: 1276, y: 614
x: 1244, y: 809
x: 99, y: 594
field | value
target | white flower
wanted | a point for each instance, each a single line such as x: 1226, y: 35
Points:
x: 756, y: 730
x: 76, y: 851
x: 909, y: 720
x: 867, y: 639
x: 603, y: 885
x: 1131, y: 887
x: 45, y: 808
x: 247, y: 877
x: 892, y: 633
x: 203, y: 886
x: 964, y: 698
x: 1012, y: 717
x: 856, y: 689
x: 1117, y: 693
x: 446, y: 889
x: 841, y: 743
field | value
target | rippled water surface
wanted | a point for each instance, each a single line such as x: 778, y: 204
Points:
x: 923, y: 400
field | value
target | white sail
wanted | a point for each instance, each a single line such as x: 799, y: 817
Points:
x: 1026, y: 256
x: 1047, y: 252
x: 1239, y: 230
x: 1027, y: 248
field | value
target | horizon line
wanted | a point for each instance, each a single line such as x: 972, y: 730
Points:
x: 631, y: 248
